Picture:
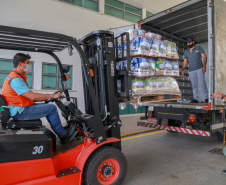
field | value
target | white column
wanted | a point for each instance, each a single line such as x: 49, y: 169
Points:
x: 143, y: 13
x: 101, y: 6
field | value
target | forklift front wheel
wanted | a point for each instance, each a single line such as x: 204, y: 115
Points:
x: 105, y: 166
x: 224, y: 151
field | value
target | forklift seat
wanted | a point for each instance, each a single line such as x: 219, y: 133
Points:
x: 18, y: 124
x: 10, y: 123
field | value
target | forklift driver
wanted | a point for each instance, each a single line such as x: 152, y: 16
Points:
x: 20, y: 99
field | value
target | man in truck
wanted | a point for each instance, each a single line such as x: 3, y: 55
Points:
x: 20, y: 98
x: 194, y: 56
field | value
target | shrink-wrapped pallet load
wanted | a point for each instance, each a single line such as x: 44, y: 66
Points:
x: 161, y: 85
x: 175, y: 68
x: 152, y: 61
x: 162, y: 49
x: 138, y: 86
x: 154, y: 46
x: 139, y: 45
x: 168, y: 68
x: 174, y: 53
x: 168, y: 49
x: 160, y: 66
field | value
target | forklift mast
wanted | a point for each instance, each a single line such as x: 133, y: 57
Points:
x: 99, y: 47
x: 99, y: 50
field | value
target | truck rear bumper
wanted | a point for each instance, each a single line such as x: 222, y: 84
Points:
x: 175, y: 129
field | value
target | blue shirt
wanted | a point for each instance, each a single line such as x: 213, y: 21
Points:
x: 20, y: 87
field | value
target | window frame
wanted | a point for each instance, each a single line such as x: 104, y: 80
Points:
x: 57, y: 75
x: 7, y: 72
x: 73, y: 3
x: 147, y: 12
x: 124, y: 9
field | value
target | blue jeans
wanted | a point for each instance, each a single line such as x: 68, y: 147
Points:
x: 43, y: 110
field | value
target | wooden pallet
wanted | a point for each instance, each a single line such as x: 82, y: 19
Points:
x: 154, y: 98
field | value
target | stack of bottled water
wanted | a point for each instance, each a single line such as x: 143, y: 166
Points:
x: 168, y: 68
x: 175, y: 68
x: 147, y: 66
x: 149, y: 72
x: 150, y: 44
x: 142, y: 66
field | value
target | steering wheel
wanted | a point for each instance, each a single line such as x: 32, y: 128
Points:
x: 59, y: 91
x: 55, y: 99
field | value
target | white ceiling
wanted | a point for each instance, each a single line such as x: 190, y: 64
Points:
x: 154, y: 6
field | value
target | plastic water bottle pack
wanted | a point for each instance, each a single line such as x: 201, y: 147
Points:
x: 168, y: 68
x: 175, y: 68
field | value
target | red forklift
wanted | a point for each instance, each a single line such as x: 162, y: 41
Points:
x: 31, y: 154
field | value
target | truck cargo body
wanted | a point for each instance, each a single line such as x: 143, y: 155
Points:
x: 204, y: 21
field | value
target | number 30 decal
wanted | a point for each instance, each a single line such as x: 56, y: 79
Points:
x: 37, y: 150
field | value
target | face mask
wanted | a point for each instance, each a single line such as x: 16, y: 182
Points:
x: 28, y: 68
x: 190, y: 46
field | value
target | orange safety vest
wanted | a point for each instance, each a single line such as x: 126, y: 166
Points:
x: 10, y: 96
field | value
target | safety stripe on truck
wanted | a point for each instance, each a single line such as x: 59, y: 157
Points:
x: 175, y: 129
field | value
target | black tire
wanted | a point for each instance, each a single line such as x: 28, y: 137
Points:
x: 96, y: 160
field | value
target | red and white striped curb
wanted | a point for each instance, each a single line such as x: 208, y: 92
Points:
x: 175, y: 129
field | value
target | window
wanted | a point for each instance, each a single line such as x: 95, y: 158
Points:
x: 89, y: 4
x: 148, y: 14
x: 51, y: 77
x: 6, y: 68
x: 115, y: 3
x: 133, y: 9
x: 131, y: 17
x: 122, y: 10
x: 114, y: 12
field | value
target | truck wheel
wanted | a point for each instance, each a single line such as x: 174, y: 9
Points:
x: 105, y: 166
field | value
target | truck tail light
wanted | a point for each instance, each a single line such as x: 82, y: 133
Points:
x: 149, y: 114
x: 192, y: 118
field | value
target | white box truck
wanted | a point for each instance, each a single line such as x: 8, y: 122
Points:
x: 204, y: 21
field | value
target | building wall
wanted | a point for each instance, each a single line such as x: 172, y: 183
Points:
x: 59, y: 17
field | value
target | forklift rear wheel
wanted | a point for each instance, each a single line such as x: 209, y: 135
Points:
x: 224, y: 151
x: 105, y: 166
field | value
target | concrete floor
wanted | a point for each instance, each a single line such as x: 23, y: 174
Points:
x: 129, y: 125
x: 165, y: 158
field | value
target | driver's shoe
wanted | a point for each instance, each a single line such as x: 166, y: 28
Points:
x: 70, y: 131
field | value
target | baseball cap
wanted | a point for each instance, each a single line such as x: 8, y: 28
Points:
x: 189, y: 39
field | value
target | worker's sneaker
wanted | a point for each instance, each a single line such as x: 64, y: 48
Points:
x: 70, y: 131
x: 194, y: 101
x: 224, y: 171
x: 206, y: 100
